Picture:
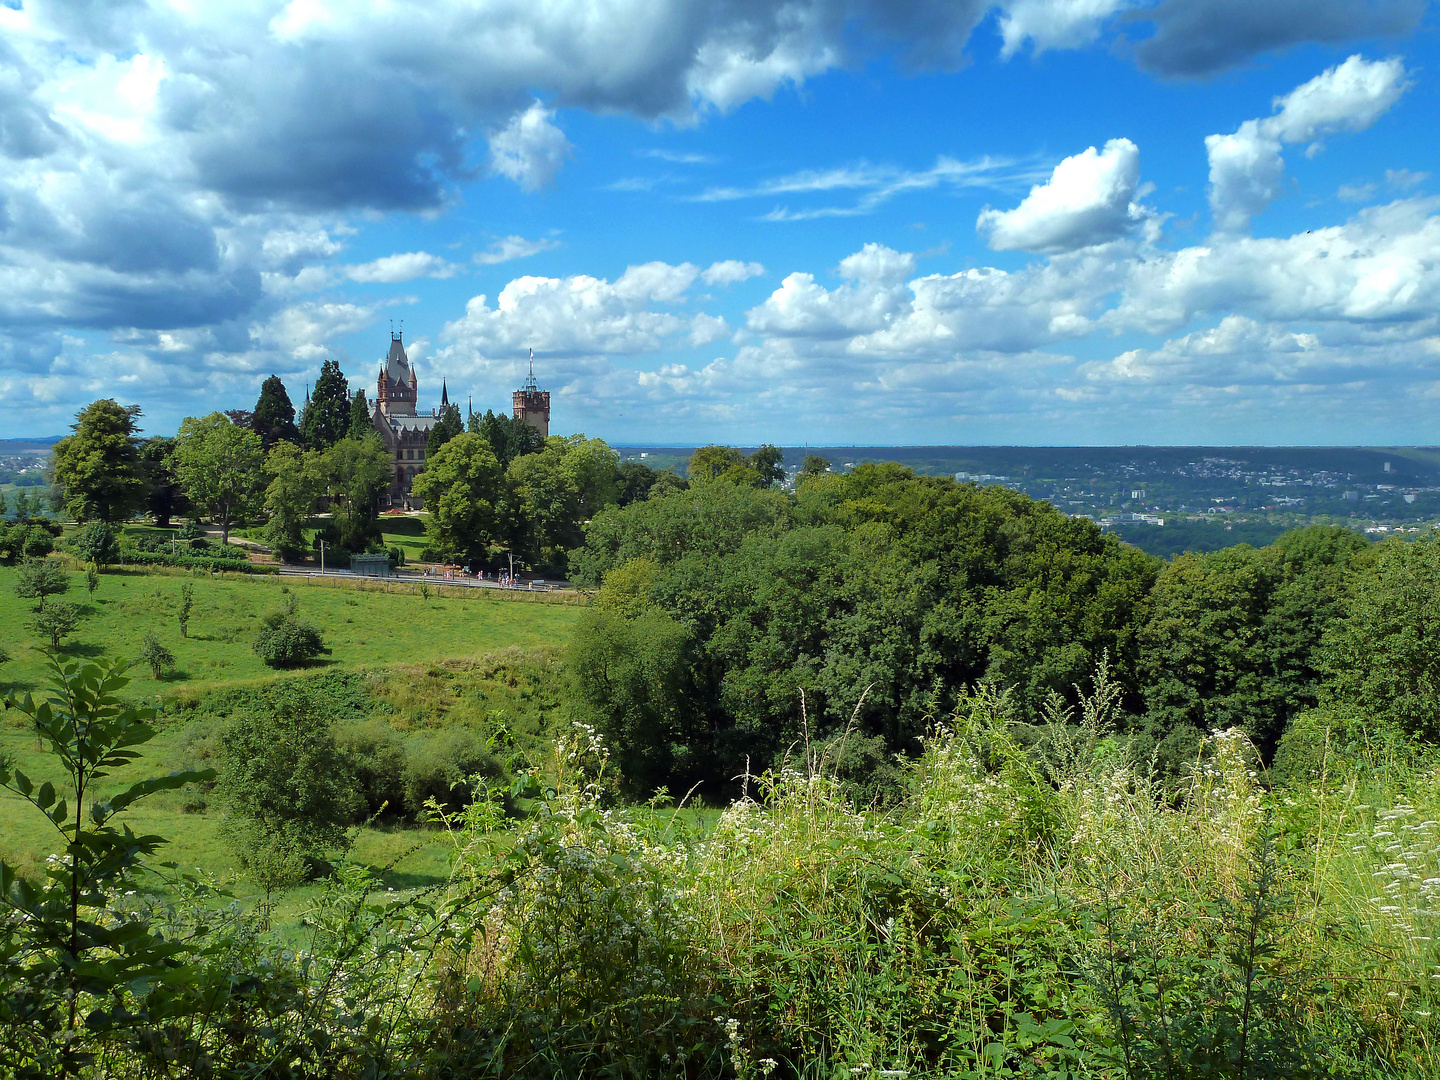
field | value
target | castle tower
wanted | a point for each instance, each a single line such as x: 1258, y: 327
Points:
x: 397, y: 388
x: 532, y: 404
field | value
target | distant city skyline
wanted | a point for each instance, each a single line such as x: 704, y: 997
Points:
x: 1020, y: 222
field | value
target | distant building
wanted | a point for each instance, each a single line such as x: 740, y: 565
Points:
x: 406, y: 430
x: 532, y: 404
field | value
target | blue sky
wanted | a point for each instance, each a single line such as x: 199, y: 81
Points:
x: 827, y: 221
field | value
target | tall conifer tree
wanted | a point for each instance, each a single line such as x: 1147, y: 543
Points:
x: 326, y: 419
x: 273, y: 418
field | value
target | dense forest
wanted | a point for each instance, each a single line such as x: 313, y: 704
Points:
x: 733, y: 623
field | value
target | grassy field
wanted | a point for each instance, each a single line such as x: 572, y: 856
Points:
x: 416, y: 652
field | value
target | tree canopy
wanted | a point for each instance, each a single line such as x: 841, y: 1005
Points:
x: 326, y: 419
x: 221, y: 467
x: 462, y: 485
x: 509, y: 437
x: 99, y: 467
x: 879, y: 595
x: 273, y: 417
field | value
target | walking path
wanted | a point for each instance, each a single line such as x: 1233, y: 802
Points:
x: 431, y: 579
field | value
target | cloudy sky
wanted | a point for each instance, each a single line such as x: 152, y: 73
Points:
x: 824, y: 221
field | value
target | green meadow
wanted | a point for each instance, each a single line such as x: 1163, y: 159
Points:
x: 455, y: 658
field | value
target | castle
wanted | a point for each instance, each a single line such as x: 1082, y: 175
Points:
x: 406, y: 430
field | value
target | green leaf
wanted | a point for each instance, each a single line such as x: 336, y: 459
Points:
x: 45, y: 797
x: 23, y: 784
x: 154, y: 784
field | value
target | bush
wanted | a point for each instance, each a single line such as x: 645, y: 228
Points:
x: 220, y: 559
x: 1317, y: 742
x: 377, y: 760
x: 55, y: 620
x: 39, y: 578
x: 287, y: 641
x: 155, y: 656
x: 97, y: 542
x: 27, y: 540
x: 288, y: 787
x: 191, y: 530
x: 443, y: 768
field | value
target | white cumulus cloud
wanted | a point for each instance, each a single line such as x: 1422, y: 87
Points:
x: 530, y: 149
x: 1246, y: 168
x: 1089, y: 199
x: 1054, y: 24
x: 730, y: 271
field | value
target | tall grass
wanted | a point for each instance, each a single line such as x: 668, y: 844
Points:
x: 1051, y: 911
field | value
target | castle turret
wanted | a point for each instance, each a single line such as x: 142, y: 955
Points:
x: 397, y: 388
x: 531, y: 404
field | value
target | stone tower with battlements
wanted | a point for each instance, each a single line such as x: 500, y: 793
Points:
x: 531, y: 404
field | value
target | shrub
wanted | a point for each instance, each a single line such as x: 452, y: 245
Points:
x: 191, y: 530
x: 26, y: 540
x: 289, y: 790
x: 92, y: 581
x: 39, y: 578
x: 96, y: 543
x: 153, y: 654
x: 80, y: 961
x: 220, y: 559
x: 287, y: 641
x: 56, y: 620
x: 444, y: 767
x: 377, y: 759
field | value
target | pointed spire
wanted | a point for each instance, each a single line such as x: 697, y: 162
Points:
x: 444, y: 394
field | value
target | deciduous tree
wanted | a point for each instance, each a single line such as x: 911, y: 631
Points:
x: 1383, y: 654
x: 98, y: 467
x: 462, y: 487
x: 55, y: 620
x: 221, y: 467
x: 290, y: 498
x: 509, y: 438
x: 38, y: 578
x: 355, y: 473
x: 96, y: 543
x: 289, y: 790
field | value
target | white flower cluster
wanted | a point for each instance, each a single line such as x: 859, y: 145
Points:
x: 1405, y: 854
